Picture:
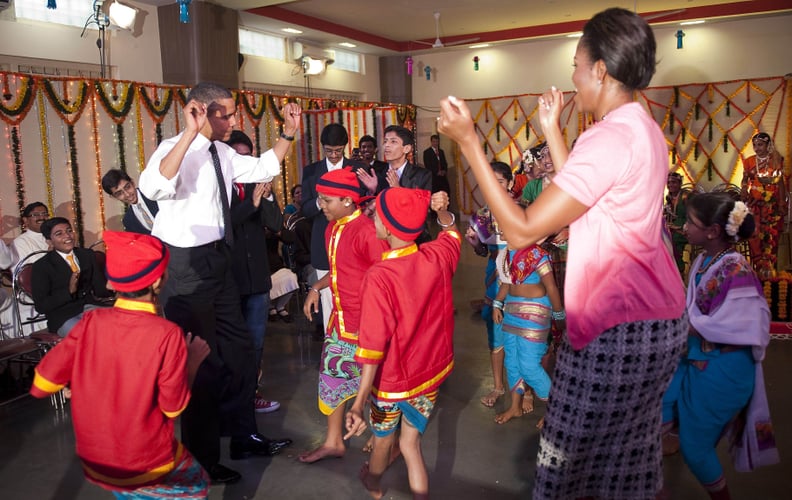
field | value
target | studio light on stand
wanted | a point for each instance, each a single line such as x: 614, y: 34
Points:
x: 312, y: 66
x: 119, y: 15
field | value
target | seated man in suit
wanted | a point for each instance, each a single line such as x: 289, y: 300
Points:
x: 398, y: 144
x: 66, y: 281
x: 139, y: 217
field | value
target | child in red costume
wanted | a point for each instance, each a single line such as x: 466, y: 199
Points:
x: 352, y: 247
x: 130, y: 373
x: 405, y: 343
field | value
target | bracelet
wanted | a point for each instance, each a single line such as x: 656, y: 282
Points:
x: 559, y: 315
x: 287, y: 137
x: 315, y: 290
x: 453, y: 220
x: 497, y: 304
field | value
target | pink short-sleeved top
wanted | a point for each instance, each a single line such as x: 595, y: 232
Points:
x: 618, y: 270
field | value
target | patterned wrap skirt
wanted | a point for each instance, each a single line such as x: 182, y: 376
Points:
x: 339, y: 373
x: 601, y: 436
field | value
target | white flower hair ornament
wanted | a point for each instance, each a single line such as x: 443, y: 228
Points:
x: 736, y: 218
x: 528, y: 157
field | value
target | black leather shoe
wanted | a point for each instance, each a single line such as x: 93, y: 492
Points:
x: 256, y: 444
x: 221, y: 474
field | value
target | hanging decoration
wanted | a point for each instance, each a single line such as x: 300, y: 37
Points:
x: 16, y: 151
x: 184, y: 11
x: 428, y: 71
x: 679, y: 36
x: 476, y: 63
x: 51, y: 4
x: 409, y: 62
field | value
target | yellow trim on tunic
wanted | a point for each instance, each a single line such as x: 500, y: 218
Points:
x: 400, y: 252
x: 401, y: 396
x: 135, y: 305
x: 140, y: 478
x: 326, y: 410
x: 369, y: 354
x: 45, y: 385
x: 332, y: 253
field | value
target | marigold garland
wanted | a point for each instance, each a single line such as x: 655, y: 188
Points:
x: 98, y: 160
x: 117, y: 106
x: 782, y: 299
x: 62, y: 106
x: 139, y: 136
x: 14, y: 114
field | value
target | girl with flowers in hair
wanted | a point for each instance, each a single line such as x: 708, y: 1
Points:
x: 729, y: 331
x: 765, y: 189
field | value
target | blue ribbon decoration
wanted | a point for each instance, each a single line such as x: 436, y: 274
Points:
x: 184, y: 13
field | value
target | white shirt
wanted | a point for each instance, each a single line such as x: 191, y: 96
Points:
x: 27, y: 243
x: 334, y: 166
x: 7, y: 257
x: 139, y: 208
x: 190, y: 213
x: 400, y: 170
x: 66, y: 258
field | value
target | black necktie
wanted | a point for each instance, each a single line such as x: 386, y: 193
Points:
x: 229, y: 233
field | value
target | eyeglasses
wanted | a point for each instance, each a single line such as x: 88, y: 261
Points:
x: 339, y: 151
x: 39, y: 215
x: 688, y: 220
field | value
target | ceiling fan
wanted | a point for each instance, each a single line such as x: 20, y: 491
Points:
x: 438, y: 44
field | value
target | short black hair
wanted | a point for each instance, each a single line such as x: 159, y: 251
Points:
x: 502, y: 168
x: 112, y: 179
x: 403, y: 133
x: 32, y: 206
x: 48, y: 225
x: 134, y: 295
x: 239, y: 137
x: 434, y: 136
x: 367, y: 138
x: 208, y: 92
x: 334, y: 134
x: 626, y: 44
x: 294, y: 188
x: 714, y: 208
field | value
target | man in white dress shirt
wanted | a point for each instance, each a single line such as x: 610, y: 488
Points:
x: 190, y: 177
x: 31, y: 240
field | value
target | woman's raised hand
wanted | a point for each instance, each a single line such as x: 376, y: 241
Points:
x: 455, y: 120
x: 550, y: 105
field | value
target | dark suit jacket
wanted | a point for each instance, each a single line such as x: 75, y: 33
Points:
x: 380, y: 170
x: 250, y: 266
x: 439, y: 182
x: 50, y: 280
x: 310, y: 210
x: 130, y: 220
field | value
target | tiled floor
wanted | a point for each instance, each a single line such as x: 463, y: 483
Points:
x: 469, y: 456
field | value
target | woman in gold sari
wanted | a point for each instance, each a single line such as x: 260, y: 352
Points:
x: 765, y: 189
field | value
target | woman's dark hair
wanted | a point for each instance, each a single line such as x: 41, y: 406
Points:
x: 294, y: 188
x: 502, y: 168
x: 714, y: 208
x: 239, y: 137
x: 625, y: 43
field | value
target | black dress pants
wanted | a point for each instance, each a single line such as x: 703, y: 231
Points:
x: 201, y: 296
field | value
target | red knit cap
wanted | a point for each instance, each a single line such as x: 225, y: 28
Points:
x: 134, y: 261
x: 342, y: 182
x: 403, y: 211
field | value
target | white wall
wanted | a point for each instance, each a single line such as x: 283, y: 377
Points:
x: 718, y: 51
x: 136, y: 56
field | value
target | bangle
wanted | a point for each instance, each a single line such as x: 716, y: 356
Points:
x: 453, y: 220
x: 315, y: 290
x: 497, y: 304
x: 287, y: 137
x: 559, y: 315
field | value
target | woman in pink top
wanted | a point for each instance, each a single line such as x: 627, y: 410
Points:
x: 624, y: 297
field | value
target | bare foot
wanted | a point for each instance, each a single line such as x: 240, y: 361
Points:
x: 320, y: 453
x: 540, y: 423
x: 371, y: 485
x: 528, y: 403
x: 490, y: 399
x: 369, y: 445
x: 509, y: 414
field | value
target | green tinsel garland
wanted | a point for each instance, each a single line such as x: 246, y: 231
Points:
x: 75, y: 173
x: 121, y: 147
x: 18, y: 177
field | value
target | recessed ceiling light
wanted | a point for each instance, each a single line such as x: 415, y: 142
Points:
x: 292, y: 30
x: 688, y: 23
x: 347, y: 44
x: 479, y: 46
x: 574, y: 35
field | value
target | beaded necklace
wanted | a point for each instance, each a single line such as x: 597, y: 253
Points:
x: 712, y: 260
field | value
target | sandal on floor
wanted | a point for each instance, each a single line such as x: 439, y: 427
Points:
x: 490, y: 399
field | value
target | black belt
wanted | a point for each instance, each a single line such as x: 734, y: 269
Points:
x: 217, y: 245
